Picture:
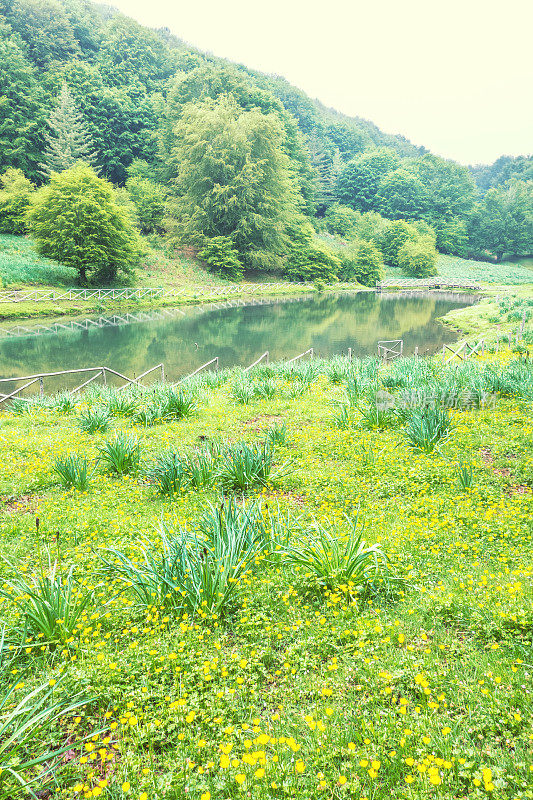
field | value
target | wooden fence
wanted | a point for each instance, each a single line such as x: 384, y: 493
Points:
x: 437, y: 282
x: 146, y: 292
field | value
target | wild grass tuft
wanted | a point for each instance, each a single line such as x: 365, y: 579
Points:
x: 73, y: 472
x: 121, y: 454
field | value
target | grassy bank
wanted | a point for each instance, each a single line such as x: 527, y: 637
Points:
x: 502, y: 313
x: 408, y: 680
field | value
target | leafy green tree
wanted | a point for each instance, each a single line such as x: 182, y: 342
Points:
x: 209, y: 81
x: 503, y: 223
x: 418, y: 258
x: 360, y: 179
x: 452, y: 236
x: 309, y: 259
x: 149, y: 199
x: 76, y: 220
x: 371, y: 227
x: 361, y: 261
x: 68, y: 140
x: 341, y: 220
x: 222, y: 258
x: 21, y: 108
x: 131, y: 55
x: 122, y: 123
x: 394, y: 236
x: 46, y: 29
x: 401, y: 195
x: 15, y: 194
x: 232, y: 179
x: 449, y: 188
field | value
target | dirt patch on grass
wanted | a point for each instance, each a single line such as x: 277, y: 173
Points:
x: 261, y: 418
x: 25, y: 504
x: 520, y: 488
x: 298, y: 499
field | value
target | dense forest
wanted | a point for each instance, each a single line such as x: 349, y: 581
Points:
x: 239, y: 164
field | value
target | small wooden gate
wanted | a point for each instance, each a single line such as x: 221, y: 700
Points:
x: 389, y: 349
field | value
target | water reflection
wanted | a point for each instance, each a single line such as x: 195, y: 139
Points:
x: 185, y: 338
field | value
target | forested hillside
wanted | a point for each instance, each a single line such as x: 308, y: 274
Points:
x: 241, y: 165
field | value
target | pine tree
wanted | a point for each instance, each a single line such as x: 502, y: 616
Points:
x: 69, y: 140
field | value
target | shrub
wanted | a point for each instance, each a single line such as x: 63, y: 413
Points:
x: 72, y: 471
x: 418, y: 258
x: 341, y: 220
x: 309, y: 259
x: 395, y: 235
x: 186, y: 573
x: 121, y: 454
x: 178, y: 403
x: 15, y: 195
x: 149, y: 200
x: 363, y: 262
x: 121, y: 404
x: 222, y: 258
x: 465, y: 475
x: 76, y: 220
x: 427, y: 427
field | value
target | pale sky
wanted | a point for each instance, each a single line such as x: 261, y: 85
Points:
x: 454, y: 75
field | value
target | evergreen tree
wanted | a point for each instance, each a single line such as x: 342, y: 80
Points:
x: 69, y: 140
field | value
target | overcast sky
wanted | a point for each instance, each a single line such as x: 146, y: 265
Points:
x: 453, y: 75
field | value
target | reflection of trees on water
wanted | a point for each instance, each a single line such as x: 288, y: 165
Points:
x: 329, y: 323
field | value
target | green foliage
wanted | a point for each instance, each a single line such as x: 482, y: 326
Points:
x: 76, y: 220
x: 94, y: 420
x: 334, y: 559
x: 72, y: 471
x: 360, y: 179
x: 465, y: 475
x: 451, y: 236
x: 29, y: 737
x: 362, y: 262
x: 394, y: 236
x: 232, y: 179
x: 503, y: 223
x: 21, y: 111
x: 168, y: 473
x: 341, y: 220
x: 418, y: 258
x: 401, y: 195
x: 19, y: 263
x: 50, y: 605
x: 309, y: 259
x: 121, y: 454
x: 149, y: 199
x: 427, y: 428
x: 222, y: 258
x: 15, y: 194
x: 244, y: 466
x: 68, y: 141
x: 188, y: 573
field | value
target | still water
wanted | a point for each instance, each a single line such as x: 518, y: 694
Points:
x: 187, y: 337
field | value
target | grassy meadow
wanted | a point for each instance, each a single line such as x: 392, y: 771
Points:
x: 306, y: 582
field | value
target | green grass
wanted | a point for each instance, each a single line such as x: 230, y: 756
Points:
x: 456, y: 268
x: 21, y: 265
x: 303, y: 684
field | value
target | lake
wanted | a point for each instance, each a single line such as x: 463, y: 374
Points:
x: 184, y: 338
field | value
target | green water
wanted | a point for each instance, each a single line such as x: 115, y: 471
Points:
x: 185, y: 338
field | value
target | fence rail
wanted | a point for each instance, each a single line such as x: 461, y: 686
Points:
x: 437, y: 282
x: 150, y: 292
